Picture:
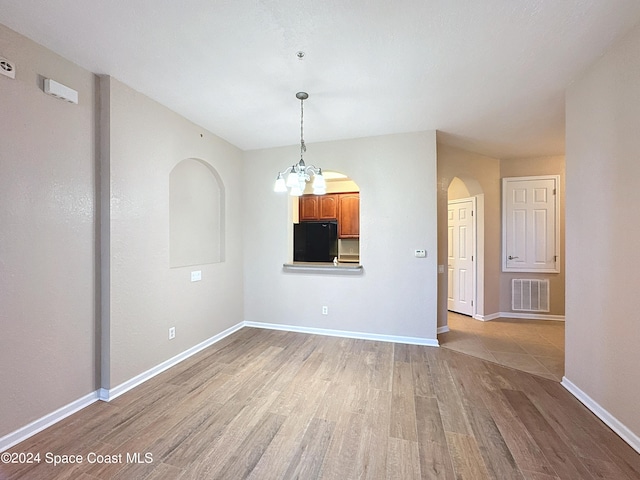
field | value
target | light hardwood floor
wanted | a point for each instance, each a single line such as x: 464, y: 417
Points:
x: 266, y: 404
x: 533, y: 346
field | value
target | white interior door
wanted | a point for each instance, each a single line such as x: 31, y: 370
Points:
x: 530, y: 237
x: 461, y: 227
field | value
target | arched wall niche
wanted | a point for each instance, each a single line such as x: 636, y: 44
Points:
x: 196, y: 214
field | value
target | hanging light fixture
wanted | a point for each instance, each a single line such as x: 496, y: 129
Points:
x: 299, y: 174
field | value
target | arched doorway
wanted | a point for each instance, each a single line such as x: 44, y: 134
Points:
x: 465, y: 247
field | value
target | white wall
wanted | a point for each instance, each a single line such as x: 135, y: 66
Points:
x: 47, y: 236
x: 602, y: 231
x: 396, y: 295
x: 145, y: 296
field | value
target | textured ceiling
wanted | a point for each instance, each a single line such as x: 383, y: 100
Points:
x: 490, y: 74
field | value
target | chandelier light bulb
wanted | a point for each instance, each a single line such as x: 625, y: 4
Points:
x: 281, y: 185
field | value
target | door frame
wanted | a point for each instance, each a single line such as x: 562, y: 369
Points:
x: 554, y: 224
x: 474, y: 249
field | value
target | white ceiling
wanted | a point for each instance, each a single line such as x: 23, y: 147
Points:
x: 490, y: 74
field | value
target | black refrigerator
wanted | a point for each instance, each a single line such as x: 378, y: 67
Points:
x: 315, y: 241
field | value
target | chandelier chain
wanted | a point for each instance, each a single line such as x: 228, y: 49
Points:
x: 299, y: 174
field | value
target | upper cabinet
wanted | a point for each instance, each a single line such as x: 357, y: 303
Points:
x: 308, y: 209
x: 319, y: 207
x: 349, y: 218
x: 343, y: 207
x: 328, y: 207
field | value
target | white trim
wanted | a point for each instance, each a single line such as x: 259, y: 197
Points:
x: 109, y: 394
x: 346, y: 334
x: 487, y: 318
x: 523, y: 316
x: 40, y: 424
x: 443, y: 329
x: 612, y: 422
x: 479, y: 250
x: 532, y: 316
x: 474, y: 249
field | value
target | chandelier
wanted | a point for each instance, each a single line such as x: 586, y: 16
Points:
x: 299, y: 174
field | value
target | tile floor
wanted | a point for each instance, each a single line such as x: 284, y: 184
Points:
x: 533, y: 346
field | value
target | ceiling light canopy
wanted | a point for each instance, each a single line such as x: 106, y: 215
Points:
x: 299, y: 174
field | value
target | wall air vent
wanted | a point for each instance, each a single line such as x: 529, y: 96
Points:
x: 529, y: 295
x: 58, y: 90
x: 7, y: 68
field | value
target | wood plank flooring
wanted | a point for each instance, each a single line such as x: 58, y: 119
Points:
x: 265, y: 404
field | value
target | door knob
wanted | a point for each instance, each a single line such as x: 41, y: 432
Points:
x: 510, y: 257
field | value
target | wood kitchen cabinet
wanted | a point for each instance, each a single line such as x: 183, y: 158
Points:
x: 328, y: 207
x: 308, y: 207
x: 344, y: 207
x: 349, y: 215
x: 318, y: 207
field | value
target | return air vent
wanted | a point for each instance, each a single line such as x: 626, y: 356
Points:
x: 529, y: 295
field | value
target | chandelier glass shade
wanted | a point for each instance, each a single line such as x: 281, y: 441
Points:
x: 295, y: 177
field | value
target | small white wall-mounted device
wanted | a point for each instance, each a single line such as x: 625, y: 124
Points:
x: 7, y: 68
x: 420, y: 253
x: 58, y: 90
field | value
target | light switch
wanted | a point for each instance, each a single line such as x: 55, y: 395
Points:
x: 196, y: 275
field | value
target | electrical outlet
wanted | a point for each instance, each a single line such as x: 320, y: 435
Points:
x: 172, y: 333
x: 196, y: 275
x: 325, y: 310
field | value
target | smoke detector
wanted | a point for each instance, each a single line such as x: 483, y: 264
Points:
x: 7, y: 68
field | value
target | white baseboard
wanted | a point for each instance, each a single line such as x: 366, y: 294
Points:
x: 532, y: 316
x: 486, y: 318
x: 40, y: 424
x: 627, y: 435
x: 346, y: 334
x: 109, y: 394
x: 524, y: 316
x: 443, y: 329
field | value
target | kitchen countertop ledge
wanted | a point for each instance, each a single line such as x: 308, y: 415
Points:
x: 326, y: 268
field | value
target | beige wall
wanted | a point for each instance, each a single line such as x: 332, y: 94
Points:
x: 522, y: 167
x: 47, y: 236
x: 481, y: 176
x: 603, y: 259
x: 146, y: 296
x: 396, y: 295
